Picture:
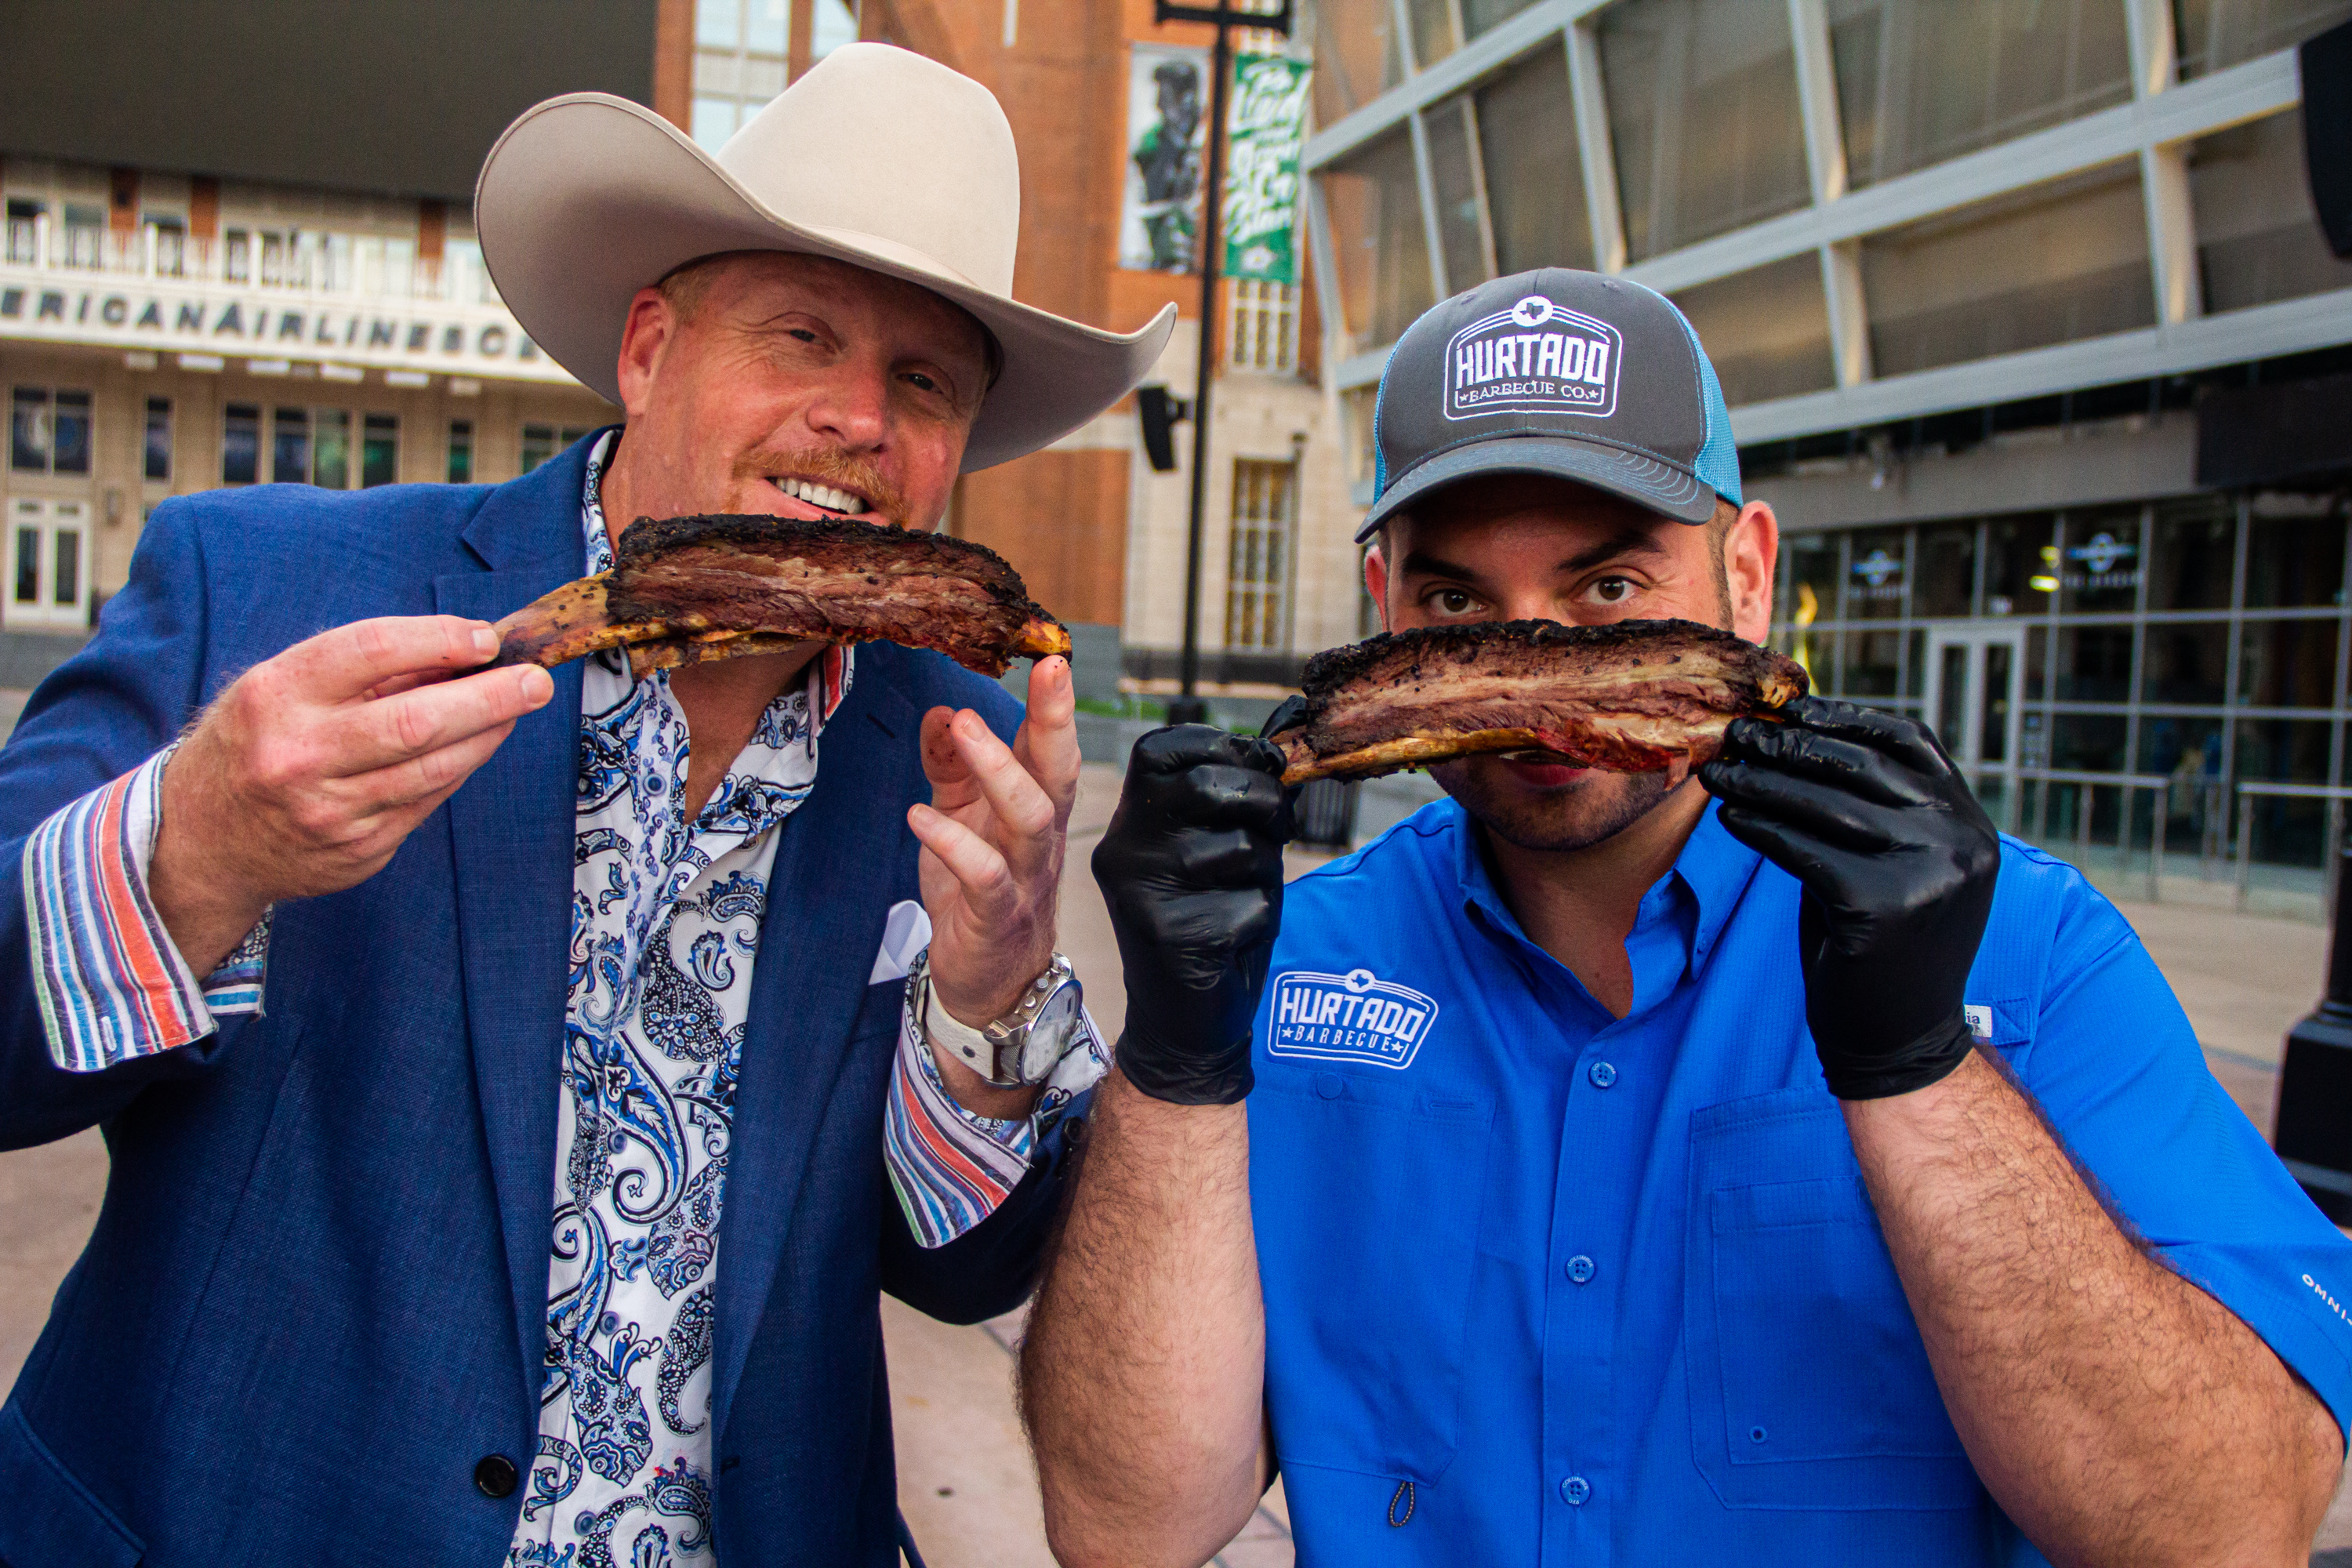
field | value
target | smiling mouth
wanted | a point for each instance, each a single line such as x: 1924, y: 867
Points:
x: 848, y: 503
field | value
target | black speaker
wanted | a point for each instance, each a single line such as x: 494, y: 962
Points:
x: 1159, y: 412
x: 2327, y: 132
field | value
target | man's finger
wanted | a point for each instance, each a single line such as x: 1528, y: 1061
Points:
x: 972, y: 860
x: 339, y: 664
x: 1047, y: 742
x: 1218, y: 795
x: 1021, y: 807
x: 1831, y: 762
x: 414, y: 724
x: 1830, y: 814
x: 1905, y: 739
x: 419, y: 784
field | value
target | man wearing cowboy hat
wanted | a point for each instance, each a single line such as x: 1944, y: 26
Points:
x: 437, y: 1016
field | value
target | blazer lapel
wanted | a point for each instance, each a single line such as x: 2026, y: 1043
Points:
x: 511, y: 830
x: 818, y: 943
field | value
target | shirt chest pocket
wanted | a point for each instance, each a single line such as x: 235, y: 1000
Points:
x: 1367, y: 1198
x: 1809, y: 1386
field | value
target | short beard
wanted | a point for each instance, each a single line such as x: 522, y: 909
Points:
x: 1588, y: 814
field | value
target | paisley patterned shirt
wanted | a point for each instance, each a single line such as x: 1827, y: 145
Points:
x: 665, y: 928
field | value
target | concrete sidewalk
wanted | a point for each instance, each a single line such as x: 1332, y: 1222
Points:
x: 966, y: 1482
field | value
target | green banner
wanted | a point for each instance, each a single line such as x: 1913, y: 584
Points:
x: 1264, y: 133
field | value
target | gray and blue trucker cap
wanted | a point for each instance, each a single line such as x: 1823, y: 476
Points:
x: 1554, y: 372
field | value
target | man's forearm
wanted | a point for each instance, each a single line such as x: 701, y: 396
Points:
x: 1143, y: 1370
x: 2116, y: 1412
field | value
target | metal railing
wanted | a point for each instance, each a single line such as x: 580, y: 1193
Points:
x: 2332, y: 842
x: 2216, y: 845
x: 294, y: 260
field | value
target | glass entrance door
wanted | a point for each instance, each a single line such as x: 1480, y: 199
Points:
x: 1972, y: 701
x: 48, y: 565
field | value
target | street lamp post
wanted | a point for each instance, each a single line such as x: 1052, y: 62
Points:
x: 2313, y: 1129
x: 1187, y: 708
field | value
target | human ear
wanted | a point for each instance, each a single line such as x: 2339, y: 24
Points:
x: 1376, y: 581
x: 645, y: 336
x: 1749, y: 556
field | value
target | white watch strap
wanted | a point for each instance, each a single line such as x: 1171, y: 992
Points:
x: 945, y: 1029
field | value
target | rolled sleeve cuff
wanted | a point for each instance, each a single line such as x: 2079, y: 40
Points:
x: 112, y: 987
x: 950, y: 1166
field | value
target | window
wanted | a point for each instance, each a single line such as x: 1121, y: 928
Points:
x: 1767, y: 330
x: 1257, y: 574
x: 1374, y: 201
x: 1356, y: 56
x: 169, y: 236
x: 1261, y: 332
x: 2257, y: 238
x: 461, y: 451
x: 48, y: 586
x: 2052, y: 264
x: 85, y: 236
x: 739, y: 63
x: 380, y: 451
x: 333, y: 468
x: 1463, y: 235
x: 290, y: 462
x: 541, y: 442
x: 1920, y: 81
x: 1703, y: 112
x: 2213, y: 34
x: 159, y: 437
x: 237, y: 256
x: 1534, y: 173
x: 23, y: 230
x: 49, y: 431
x: 240, y: 443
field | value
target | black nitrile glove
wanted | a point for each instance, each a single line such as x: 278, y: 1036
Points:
x: 1192, y: 868
x: 1897, y: 861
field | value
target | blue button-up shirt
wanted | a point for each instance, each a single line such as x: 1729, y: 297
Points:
x: 1547, y: 1286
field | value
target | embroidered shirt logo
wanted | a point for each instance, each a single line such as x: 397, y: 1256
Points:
x: 1350, y: 1017
x: 1535, y: 358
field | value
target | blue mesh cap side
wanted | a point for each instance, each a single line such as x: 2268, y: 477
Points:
x: 1719, y: 456
x: 1379, y: 447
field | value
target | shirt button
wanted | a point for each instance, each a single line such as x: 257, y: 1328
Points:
x: 496, y: 1477
x: 1602, y: 1074
x: 1581, y: 1268
x: 1574, y: 1490
x: 1329, y: 1085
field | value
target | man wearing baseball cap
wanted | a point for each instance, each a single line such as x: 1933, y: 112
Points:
x: 1773, y: 1168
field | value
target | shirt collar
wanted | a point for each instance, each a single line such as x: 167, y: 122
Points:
x: 1713, y: 871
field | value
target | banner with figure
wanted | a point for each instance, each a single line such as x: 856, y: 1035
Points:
x: 1264, y: 133
x: 1167, y: 141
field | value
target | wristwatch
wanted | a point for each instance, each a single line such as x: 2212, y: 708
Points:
x: 1018, y: 1050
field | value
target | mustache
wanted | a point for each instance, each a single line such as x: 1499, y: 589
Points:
x: 827, y: 466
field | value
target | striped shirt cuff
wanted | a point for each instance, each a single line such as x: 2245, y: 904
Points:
x: 111, y: 984
x: 951, y: 1167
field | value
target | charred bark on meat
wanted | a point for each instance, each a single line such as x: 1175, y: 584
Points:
x: 1631, y: 696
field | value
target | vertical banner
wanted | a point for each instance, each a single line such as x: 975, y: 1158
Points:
x: 1167, y: 143
x: 1263, y: 134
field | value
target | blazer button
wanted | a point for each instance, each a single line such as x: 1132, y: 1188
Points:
x: 495, y: 1477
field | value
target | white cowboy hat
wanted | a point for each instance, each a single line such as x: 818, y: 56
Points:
x: 877, y: 156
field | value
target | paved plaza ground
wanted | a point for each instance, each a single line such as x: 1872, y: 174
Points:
x: 965, y: 1480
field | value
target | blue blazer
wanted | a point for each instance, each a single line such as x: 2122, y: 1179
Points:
x: 316, y: 1296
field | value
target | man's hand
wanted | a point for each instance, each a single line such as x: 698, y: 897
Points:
x: 1192, y: 868
x: 993, y: 840
x: 306, y: 774
x: 1897, y: 861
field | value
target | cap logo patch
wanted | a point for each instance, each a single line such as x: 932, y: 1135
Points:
x: 1350, y: 1017
x: 1538, y: 357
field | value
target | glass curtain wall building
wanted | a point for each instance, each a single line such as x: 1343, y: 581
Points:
x: 1973, y: 273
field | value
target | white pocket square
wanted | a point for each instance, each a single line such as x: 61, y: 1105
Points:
x: 906, y: 933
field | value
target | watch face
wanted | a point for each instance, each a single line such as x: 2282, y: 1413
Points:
x: 1050, y: 1033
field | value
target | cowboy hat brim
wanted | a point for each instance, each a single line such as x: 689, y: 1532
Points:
x: 588, y: 198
